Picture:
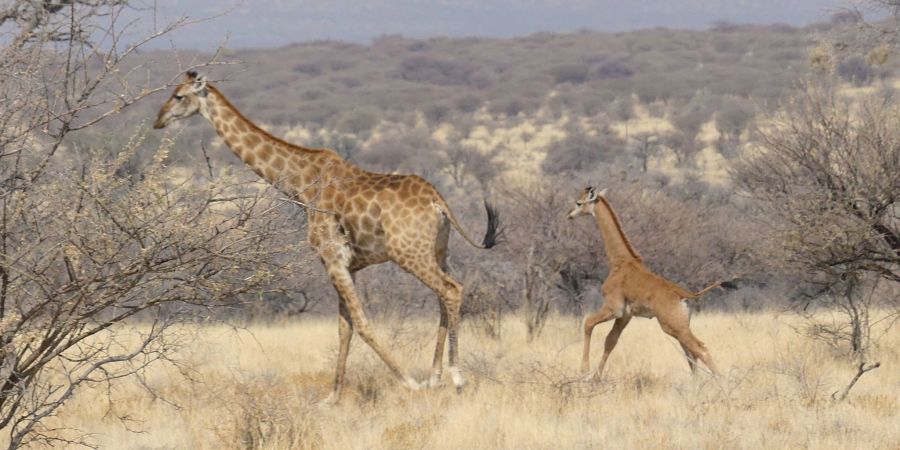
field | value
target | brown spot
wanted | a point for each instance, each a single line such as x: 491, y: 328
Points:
x: 365, y: 240
x: 278, y: 163
x: 265, y: 153
x: 366, y: 223
x: 251, y: 140
x: 250, y: 159
x: 359, y: 204
x: 227, y: 115
x: 374, y: 209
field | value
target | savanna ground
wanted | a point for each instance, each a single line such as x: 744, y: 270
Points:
x: 258, y: 387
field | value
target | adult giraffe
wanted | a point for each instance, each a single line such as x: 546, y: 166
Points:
x: 631, y: 289
x: 359, y: 219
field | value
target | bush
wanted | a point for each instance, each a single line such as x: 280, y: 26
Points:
x: 424, y: 69
x: 826, y: 179
x: 570, y: 73
x: 578, y: 152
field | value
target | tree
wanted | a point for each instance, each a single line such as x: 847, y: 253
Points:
x: 645, y: 147
x: 854, y: 34
x: 828, y: 177
x: 404, y: 149
x: 465, y: 161
x: 578, y: 151
x: 98, y: 262
x: 542, y: 244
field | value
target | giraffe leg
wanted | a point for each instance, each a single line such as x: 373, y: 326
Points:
x: 676, y: 323
x: 691, y: 358
x: 591, y: 321
x: 611, y: 340
x: 697, y: 349
x: 450, y: 293
x: 343, y: 282
x: 454, y: 302
x: 441, y: 256
x: 613, y: 302
x: 437, y: 364
x: 345, y: 331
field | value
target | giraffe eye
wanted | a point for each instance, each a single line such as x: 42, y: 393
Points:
x: 179, y: 97
x: 578, y: 203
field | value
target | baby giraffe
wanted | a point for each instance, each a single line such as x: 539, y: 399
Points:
x: 632, y: 290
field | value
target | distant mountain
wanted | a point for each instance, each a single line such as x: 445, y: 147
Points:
x: 258, y: 23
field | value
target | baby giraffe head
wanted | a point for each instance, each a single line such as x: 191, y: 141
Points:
x: 186, y: 101
x: 586, y: 201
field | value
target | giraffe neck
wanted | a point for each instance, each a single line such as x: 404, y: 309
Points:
x: 618, y: 248
x: 299, y: 172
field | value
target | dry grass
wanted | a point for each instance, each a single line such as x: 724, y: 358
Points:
x: 258, y: 388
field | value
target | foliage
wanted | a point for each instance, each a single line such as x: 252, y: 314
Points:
x: 99, y: 258
x: 828, y: 179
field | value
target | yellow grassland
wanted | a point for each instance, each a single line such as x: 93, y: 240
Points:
x: 259, y: 387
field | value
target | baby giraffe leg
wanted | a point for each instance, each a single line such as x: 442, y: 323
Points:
x: 611, y: 340
x: 590, y: 322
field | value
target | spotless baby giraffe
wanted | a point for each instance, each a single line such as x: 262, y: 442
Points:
x: 356, y: 219
x: 631, y: 289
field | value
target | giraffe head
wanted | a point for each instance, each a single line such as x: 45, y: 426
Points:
x: 586, y: 201
x: 185, y: 101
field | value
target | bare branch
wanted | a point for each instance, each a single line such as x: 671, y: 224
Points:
x: 862, y: 369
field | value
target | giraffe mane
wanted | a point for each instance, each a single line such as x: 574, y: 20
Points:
x: 615, y: 218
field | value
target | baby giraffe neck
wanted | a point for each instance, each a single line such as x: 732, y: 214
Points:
x: 618, y: 248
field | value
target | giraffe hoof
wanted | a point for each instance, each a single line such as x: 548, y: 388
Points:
x: 435, y: 381
x: 329, y: 401
x: 458, y: 380
x: 412, y: 384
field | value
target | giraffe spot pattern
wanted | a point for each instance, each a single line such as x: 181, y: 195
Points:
x: 383, y: 216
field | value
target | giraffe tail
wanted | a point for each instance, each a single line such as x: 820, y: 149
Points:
x: 703, y: 291
x: 493, y: 233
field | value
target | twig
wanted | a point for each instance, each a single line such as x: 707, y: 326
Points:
x: 307, y: 206
x: 208, y: 161
x: 859, y: 373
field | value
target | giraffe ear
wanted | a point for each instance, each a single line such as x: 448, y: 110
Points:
x: 602, y: 193
x: 198, y: 86
x: 591, y: 195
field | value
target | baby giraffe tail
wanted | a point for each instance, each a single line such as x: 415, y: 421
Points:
x: 703, y: 291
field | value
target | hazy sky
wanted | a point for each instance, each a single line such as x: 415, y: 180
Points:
x: 258, y: 23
